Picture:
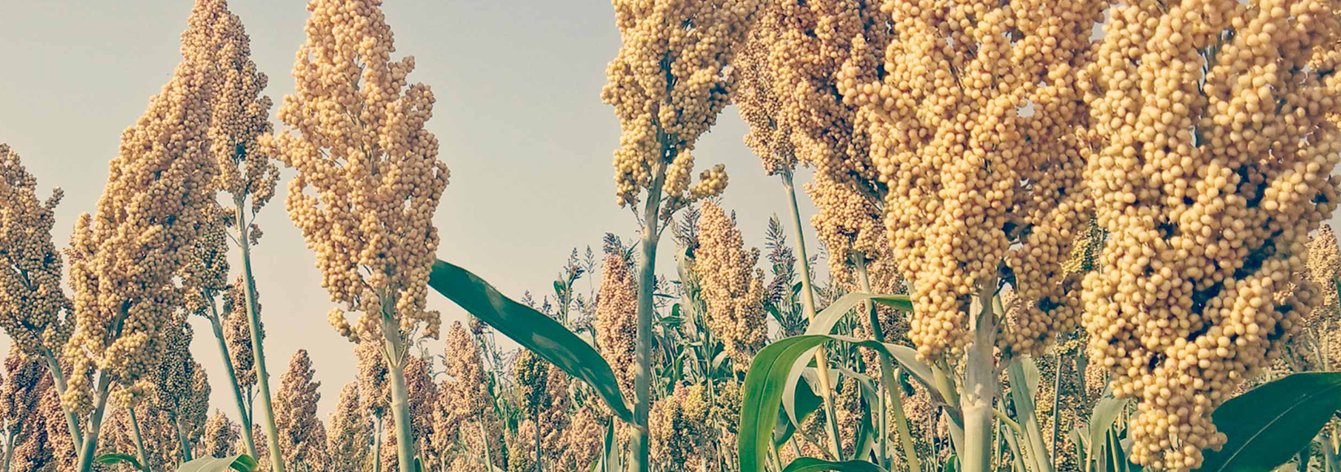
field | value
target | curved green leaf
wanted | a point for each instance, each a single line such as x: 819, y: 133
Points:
x: 113, y: 458
x: 239, y: 463
x: 766, y: 383
x: 762, y: 396
x: 1106, y: 412
x: 533, y: 330
x: 811, y: 464
x: 1267, y: 425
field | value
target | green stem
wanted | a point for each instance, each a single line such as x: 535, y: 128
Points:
x: 181, y: 437
x: 891, y: 397
x: 58, y: 380
x: 243, y: 415
x: 141, y: 455
x: 90, y: 444
x: 536, y: 423
x: 642, y: 380
x: 377, y: 445
x: 488, y: 455
x: 9, y: 449
x: 808, y: 304
x: 400, y: 396
x: 1023, y: 399
x: 975, y: 401
x: 257, y: 347
x: 1056, y: 403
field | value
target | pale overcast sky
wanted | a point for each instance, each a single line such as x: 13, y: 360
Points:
x: 518, y: 115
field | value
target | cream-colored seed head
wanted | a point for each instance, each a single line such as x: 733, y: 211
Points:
x: 617, y: 318
x: 972, y: 134
x: 1209, y: 177
x: 33, y: 307
x: 368, y: 178
x: 221, y: 436
x: 788, y: 70
x: 463, y: 394
x: 350, y: 432
x: 732, y: 288
x: 237, y: 333
x: 374, y: 389
x: 125, y: 259
x: 302, y: 437
x: 667, y: 85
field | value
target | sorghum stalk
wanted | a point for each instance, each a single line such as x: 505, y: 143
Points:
x: 58, y: 380
x: 1057, y: 403
x: 889, y: 384
x: 90, y: 443
x: 140, y: 454
x: 980, y: 384
x: 667, y: 89
x: 642, y: 377
x: 258, y: 347
x: 244, y: 415
x: 808, y: 306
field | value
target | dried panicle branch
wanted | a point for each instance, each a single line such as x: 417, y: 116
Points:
x: 1217, y: 149
x: 368, y: 176
x: 33, y: 305
x: 302, y: 436
x: 732, y: 288
x: 972, y: 127
x: 616, y: 317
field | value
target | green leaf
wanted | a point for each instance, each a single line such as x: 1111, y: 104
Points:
x: 811, y: 464
x: 805, y: 402
x: 766, y: 382
x: 1106, y: 412
x: 533, y: 330
x: 113, y: 458
x: 1267, y: 425
x: 239, y: 463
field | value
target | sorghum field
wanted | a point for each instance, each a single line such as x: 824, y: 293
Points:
x: 1073, y: 235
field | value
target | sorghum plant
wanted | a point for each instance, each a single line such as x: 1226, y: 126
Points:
x: 667, y: 85
x: 302, y: 435
x: 368, y: 182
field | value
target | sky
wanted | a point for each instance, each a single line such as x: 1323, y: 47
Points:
x: 518, y: 115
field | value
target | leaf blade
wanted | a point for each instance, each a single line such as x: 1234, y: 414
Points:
x: 533, y: 330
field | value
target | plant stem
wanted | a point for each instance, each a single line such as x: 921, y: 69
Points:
x: 808, y: 304
x: 9, y: 449
x: 1056, y: 403
x: 90, y: 444
x: 975, y: 401
x: 1023, y: 399
x: 58, y: 380
x: 888, y: 384
x: 488, y: 455
x: 243, y: 415
x: 377, y: 445
x: 642, y: 380
x: 536, y: 423
x: 181, y: 436
x: 141, y: 456
x: 257, y: 347
x: 1329, y: 451
x: 400, y: 395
